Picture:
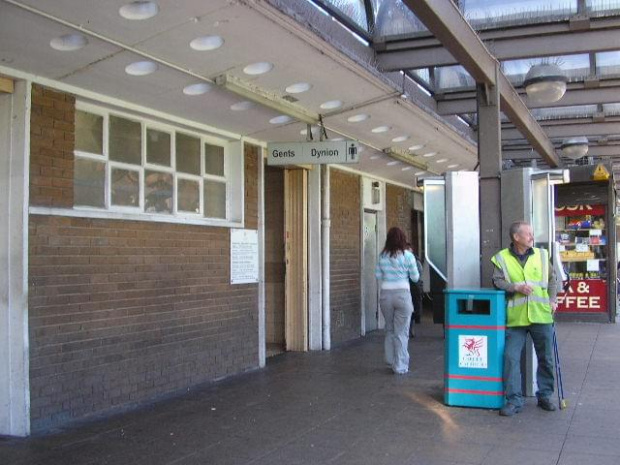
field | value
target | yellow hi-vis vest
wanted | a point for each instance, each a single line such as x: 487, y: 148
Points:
x: 523, y: 310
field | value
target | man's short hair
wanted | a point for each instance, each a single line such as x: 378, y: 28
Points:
x: 514, y: 228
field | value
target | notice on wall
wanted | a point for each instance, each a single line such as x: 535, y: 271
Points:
x: 243, y: 256
x: 473, y: 351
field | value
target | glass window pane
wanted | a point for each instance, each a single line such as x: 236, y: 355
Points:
x: 157, y: 147
x: 88, y: 132
x: 453, y: 77
x: 214, y: 160
x: 188, y: 154
x: 608, y: 63
x: 215, y: 199
x: 352, y: 9
x: 603, y: 6
x: 89, y: 183
x: 493, y: 13
x: 157, y: 192
x: 125, y: 140
x: 188, y: 193
x: 423, y: 75
x: 611, y: 109
x: 393, y: 18
x: 125, y: 186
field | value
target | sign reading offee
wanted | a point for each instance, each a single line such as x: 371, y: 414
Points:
x: 312, y: 153
x: 584, y: 296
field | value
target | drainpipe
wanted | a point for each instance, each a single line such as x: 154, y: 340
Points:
x: 325, y: 228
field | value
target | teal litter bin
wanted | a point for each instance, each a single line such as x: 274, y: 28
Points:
x: 474, y: 348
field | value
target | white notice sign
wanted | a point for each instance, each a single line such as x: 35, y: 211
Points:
x: 312, y: 153
x: 243, y: 256
x: 473, y: 351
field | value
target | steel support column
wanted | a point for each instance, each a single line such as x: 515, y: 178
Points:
x: 490, y: 158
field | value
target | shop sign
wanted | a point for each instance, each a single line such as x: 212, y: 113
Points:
x: 584, y: 296
x: 312, y: 153
x: 575, y: 210
x: 473, y: 351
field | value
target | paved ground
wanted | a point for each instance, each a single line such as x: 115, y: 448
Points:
x: 345, y: 407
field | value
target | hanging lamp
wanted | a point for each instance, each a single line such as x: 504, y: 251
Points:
x: 545, y: 83
x: 575, y: 147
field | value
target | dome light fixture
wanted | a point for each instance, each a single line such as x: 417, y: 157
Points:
x: 137, y: 11
x: 545, y: 83
x: 575, y: 147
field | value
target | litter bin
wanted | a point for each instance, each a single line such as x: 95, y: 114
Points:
x: 474, y: 348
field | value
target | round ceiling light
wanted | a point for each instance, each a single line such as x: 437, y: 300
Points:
x: 281, y: 119
x: 374, y: 157
x: 419, y: 173
x: 206, y: 43
x: 141, y: 68
x: 454, y: 165
x: 197, y: 89
x: 381, y: 129
x: 69, y: 42
x: 358, y: 118
x: 400, y: 139
x: 545, y: 83
x: 575, y: 147
x: 258, y: 68
x: 139, y: 10
x: 441, y: 160
x: 242, y: 106
x: 337, y: 139
x: 392, y: 163
x: 406, y: 168
x: 331, y: 105
x: 314, y: 129
x: 429, y: 154
x: 298, y: 88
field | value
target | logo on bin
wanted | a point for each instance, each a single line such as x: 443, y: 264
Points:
x: 473, y: 351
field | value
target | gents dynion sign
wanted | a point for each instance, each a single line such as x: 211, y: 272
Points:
x: 312, y: 153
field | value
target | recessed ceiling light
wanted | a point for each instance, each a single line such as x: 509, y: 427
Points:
x: 429, y: 154
x: 281, y: 119
x: 360, y: 149
x: 331, y: 105
x: 419, y: 173
x: 258, y: 68
x: 298, y: 88
x: 337, y: 139
x: 139, y: 10
x: 400, y: 139
x: 69, y: 42
x: 413, y: 148
x: 314, y: 129
x: 242, y: 106
x: 358, y: 118
x: 380, y: 129
x: 392, y: 163
x: 141, y: 68
x: 455, y: 165
x: 197, y: 89
x: 406, y: 168
x: 206, y: 43
x: 441, y: 160
x: 374, y: 157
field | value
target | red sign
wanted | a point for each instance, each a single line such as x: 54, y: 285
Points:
x: 576, y: 210
x: 584, y: 296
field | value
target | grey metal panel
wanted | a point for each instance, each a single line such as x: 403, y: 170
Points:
x: 594, y: 151
x: 370, y: 282
x: 516, y: 199
x: 568, y: 130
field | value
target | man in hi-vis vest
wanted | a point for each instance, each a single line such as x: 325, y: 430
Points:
x: 526, y: 274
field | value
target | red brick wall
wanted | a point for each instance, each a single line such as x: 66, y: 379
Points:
x: 52, y: 135
x: 121, y: 312
x: 398, y: 210
x: 345, y: 249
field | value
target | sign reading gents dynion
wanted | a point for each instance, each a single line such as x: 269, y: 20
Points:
x: 312, y: 153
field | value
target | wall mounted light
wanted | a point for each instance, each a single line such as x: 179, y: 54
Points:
x: 575, y: 147
x: 545, y: 83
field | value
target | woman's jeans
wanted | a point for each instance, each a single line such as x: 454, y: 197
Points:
x: 396, y: 308
x: 542, y: 336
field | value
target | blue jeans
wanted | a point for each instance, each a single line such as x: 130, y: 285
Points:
x: 542, y: 336
x: 397, y: 309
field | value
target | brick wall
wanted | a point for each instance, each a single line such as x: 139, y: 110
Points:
x: 345, y: 248
x: 398, y: 210
x: 52, y: 135
x: 121, y: 312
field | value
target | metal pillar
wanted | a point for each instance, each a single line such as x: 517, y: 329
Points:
x: 490, y: 158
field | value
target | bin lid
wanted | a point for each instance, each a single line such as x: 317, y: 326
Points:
x: 474, y: 291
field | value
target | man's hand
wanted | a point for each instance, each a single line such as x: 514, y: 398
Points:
x: 554, y: 307
x: 524, y: 289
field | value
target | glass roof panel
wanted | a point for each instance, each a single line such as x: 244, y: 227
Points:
x: 611, y: 109
x: 578, y: 111
x: 423, y: 75
x: 453, y: 78
x: 607, y: 63
x: 352, y: 9
x: 393, y: 18
x: 602, y: 6
x: 576, y: 67
x: 483, y: 14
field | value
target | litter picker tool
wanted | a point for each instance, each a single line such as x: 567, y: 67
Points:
x: 562, y: 402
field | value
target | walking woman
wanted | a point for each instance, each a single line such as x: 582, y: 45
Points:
x: 396, y: 266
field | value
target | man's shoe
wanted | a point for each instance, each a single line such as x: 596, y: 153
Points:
x: 509, y: 410
x: 546, y: 404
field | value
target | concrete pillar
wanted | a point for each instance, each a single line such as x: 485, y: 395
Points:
x: 490, y: 159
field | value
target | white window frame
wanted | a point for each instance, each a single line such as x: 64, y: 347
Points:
x: 233, y: 164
